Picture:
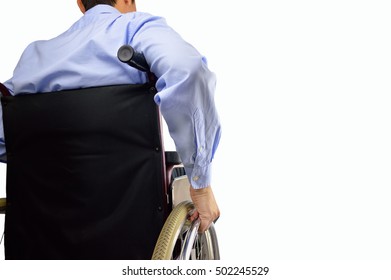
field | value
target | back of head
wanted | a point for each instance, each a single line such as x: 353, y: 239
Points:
x: 88, y: 4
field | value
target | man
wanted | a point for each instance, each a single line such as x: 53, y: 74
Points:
x: 85, y: 56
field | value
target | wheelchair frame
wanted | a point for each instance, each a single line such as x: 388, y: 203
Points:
x: 179, y: 238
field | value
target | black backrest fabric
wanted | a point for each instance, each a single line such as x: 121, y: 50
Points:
x: 85, y: 174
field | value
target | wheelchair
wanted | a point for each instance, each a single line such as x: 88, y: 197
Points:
x: 88, y: 177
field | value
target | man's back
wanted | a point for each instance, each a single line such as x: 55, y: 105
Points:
x: 85, y: 55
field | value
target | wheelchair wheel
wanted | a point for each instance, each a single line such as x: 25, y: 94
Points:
x: 179, y: 239
x: 2, y: 205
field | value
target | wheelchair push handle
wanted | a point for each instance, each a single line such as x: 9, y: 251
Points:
x: 128, y: 55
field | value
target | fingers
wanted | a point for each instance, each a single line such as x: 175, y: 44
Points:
x: 193, y: 216
x: 204, y: 225
x: 206, y: 207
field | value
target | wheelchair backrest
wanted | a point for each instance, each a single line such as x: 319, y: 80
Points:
x: 85, y: 173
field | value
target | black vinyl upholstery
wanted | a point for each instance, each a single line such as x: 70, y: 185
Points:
x: 85, y: 174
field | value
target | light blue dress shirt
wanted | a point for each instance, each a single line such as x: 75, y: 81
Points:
x: 85, y: 56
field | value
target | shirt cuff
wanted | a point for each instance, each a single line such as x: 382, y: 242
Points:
x: 199, y: 177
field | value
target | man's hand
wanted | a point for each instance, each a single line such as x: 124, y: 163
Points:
x: 205, y: 207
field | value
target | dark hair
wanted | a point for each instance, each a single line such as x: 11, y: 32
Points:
x: 88, y: 4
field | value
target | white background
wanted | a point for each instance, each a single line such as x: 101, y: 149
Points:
x: 303, y: 168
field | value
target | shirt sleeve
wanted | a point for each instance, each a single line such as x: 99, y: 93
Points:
x: 3, y: 156
x: 185, y: 95
x: 2, y: 142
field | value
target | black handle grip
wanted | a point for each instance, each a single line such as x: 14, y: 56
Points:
x: 128, y: 55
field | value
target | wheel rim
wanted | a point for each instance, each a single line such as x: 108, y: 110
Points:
x: 180, y: 240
